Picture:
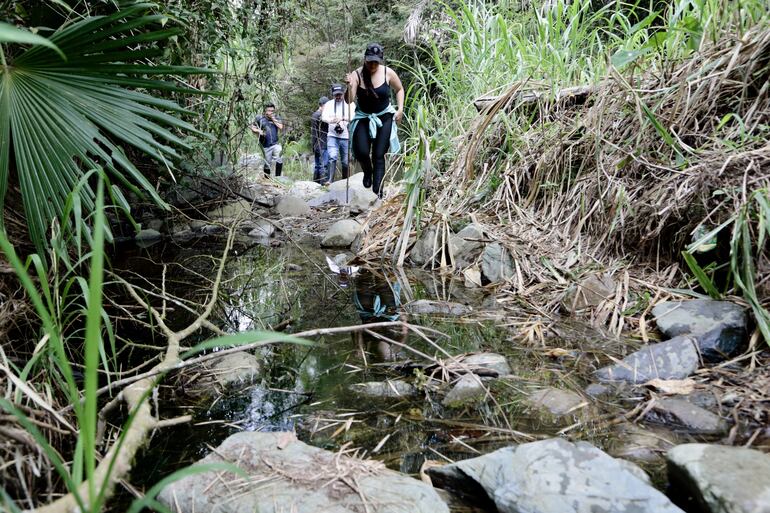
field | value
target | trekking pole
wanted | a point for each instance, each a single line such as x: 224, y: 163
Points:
x: 349, y: 95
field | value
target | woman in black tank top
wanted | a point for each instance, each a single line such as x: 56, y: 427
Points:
x: 371, y: 99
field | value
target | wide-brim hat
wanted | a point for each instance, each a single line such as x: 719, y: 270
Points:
x: 374, y: 53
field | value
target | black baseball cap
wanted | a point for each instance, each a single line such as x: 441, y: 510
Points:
x: 337, y: 89
x: 322, y: 100
x: 374, y: 53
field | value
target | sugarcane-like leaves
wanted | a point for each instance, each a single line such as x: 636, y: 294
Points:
x: 61, y: 117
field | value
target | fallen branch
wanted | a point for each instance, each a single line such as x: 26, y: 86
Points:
x: 117, y: 461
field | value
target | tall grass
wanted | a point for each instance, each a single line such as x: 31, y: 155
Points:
x: 586, y: 168
x: 76, y: 332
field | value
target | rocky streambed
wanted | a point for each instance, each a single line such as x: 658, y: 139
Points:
x: 457, y: 414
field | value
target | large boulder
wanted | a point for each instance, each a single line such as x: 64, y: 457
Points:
x: 285, y: 474
x: 341, y: 234
x: 556, y: 476
x: 466, y: 245
x: 496, y: 263
x: 289, y: 206
x: 673, y: 359
x: 306, y: 190
x: 718, y: 326
x: 722, y: 479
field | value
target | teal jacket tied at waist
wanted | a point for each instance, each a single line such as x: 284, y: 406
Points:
x: 374, y: 123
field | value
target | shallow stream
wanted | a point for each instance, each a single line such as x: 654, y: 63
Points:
x: 308, y: 389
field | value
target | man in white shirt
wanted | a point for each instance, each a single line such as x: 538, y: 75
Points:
x: 337, y: 113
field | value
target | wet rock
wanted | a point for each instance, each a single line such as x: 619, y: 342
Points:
x: 467, y: 245
x: 197, y: 225
x: 486, y: 364
x: 183, y: 235
x: 718, y: 326
x: 263, y: 229
x: 289, y: 206
x: 641, y: 444
x: 390, y: 388
x: 212, y: 229
x: 674, y: 359
x: 241, y: 208
x: 306, y: 190
x: 426, y: 247
x: 496, y: 263
x: 598, y: 390
x: 590, y: 292
x: 221, y: 373
x: 468, y: 389
x: 148, y: 235
x: 694, y: 418
x: 722, y: 479
x: 155, y: 224
x: 556, y: 476
x: 426, y: 306
x: 341, y: 233
x: 556, y: 401
x: 288, y: 475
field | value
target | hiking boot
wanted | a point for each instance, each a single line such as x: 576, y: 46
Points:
x: 278, y: 168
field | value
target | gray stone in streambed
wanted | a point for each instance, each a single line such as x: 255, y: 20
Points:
x: 306, y: 190
x: 556, y: 476
x: 722, y: 479
x: 641, y: 444
x: 341, y: 234
x: 391, y: 388
x: 685, y: 414
x: 556, y: 401
x: 486, y: 364
x: 262, y: 229
x: 673, y: 359
x: 288, y: 475
x: 718, y: 326
x: 468, y: 389
x: 496, y: 263
x: 466, y: 245
x: 426, y: 306
x: 147, y: 235
x: 426, y: 247
x: 590, y: 292
x: 289, y: 206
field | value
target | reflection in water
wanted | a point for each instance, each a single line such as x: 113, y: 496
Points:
x: 378, y: 299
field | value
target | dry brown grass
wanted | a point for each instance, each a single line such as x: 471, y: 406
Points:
x: 619, y: 180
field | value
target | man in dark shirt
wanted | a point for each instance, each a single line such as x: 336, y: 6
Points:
x: 268, y: 126
x: 318, y: 133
